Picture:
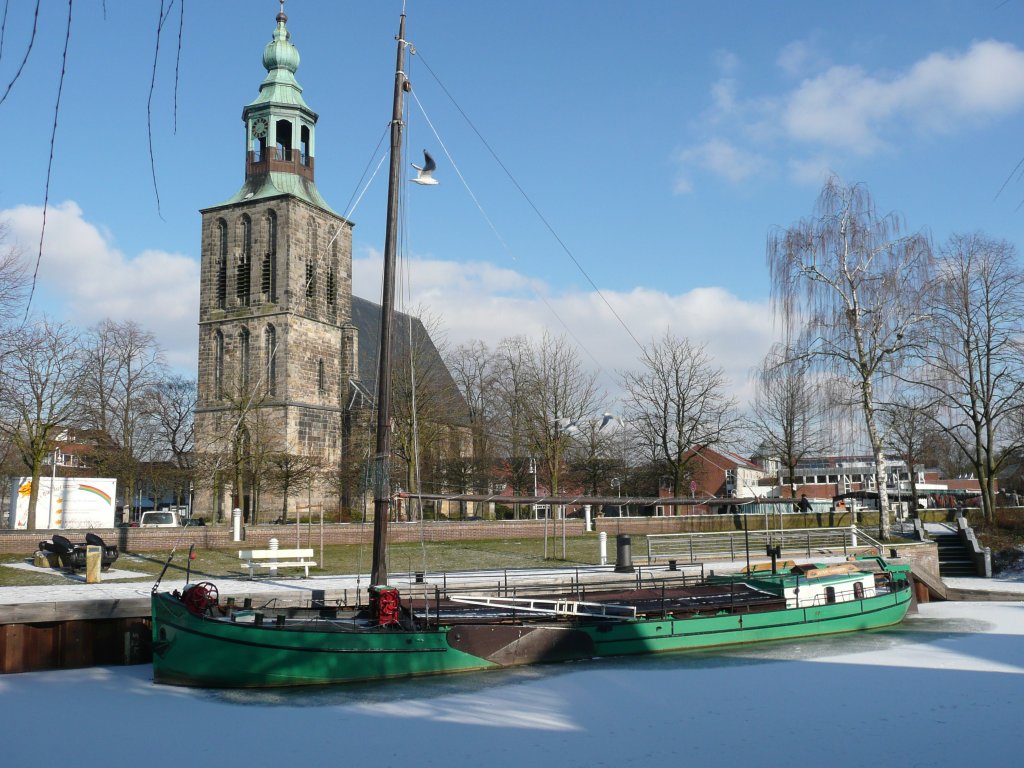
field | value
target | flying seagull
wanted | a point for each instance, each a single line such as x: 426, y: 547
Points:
x: 425, y: 175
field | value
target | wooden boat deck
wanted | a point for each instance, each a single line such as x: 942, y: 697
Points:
x: 677, y: 601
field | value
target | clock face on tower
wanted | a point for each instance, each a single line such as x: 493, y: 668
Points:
x: 259, y: 128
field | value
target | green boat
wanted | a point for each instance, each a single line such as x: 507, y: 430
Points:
x: 199, y: 641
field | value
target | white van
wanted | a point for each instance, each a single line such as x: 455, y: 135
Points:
x: 163, y: 518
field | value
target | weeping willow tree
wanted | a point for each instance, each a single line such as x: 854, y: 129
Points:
x: 848, y: 288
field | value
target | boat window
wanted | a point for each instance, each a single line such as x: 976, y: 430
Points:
x: 858, y: 590
x: 830, y: 595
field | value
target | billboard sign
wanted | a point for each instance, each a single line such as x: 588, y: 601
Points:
x: 74, y: 503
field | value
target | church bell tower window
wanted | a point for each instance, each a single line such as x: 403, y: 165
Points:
x: 243, y: 359
x: 218, y: 365
x: 304, y: 144
x: 268, y: 276
x: 283, y: 130
x: 244, y: 263
x: 271, y: 357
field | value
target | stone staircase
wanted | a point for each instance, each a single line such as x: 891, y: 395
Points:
x: 954, y: 557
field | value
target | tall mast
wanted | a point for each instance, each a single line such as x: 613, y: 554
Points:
x: 382, y: 464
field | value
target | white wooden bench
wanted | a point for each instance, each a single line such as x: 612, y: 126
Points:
x: 272, y: 559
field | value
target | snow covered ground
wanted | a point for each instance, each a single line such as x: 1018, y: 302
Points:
x: 944, y: 688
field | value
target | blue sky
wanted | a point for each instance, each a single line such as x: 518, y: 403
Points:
x: 663, y: 141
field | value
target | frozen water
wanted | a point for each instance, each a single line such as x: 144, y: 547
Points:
x: 940, y: 689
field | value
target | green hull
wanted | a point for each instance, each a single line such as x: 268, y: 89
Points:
x: 197, y: 651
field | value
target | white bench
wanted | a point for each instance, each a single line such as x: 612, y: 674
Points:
x: 273, y: 559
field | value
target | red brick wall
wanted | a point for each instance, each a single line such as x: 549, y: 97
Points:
x: 219, y: 537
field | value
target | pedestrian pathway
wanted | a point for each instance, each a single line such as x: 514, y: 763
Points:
x: 334, y: 586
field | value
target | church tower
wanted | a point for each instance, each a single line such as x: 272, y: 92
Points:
x: 277, y: 349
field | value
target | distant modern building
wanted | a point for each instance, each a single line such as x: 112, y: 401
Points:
x: 830, y: 476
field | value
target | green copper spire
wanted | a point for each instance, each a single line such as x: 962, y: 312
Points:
x: 279, y: 129
x: 281, y: 60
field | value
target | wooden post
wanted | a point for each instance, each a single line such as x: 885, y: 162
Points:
x: 93, y: 561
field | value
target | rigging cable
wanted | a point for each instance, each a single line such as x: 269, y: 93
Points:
x: 53, y: 141
x: 530, y: 202
x: 501, y: 239
x: 405, y: 273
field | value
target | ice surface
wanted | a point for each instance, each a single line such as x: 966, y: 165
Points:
x: 940, y: 689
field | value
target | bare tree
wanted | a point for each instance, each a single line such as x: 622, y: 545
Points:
x: 123, y: 366
x: 512, y: 366
x: 12, y: 280
x: 847, y: 285
x: 290, y: 470
x: 788, y: 410
x: 474, y: 369
x: 910, y: 421
x: 559, y: 394
x: 39, y: 394
x: 174, y: 408
x: 974, y: 354
x: 677, y: 403
x: 596, y: 453
x: 427, y: 407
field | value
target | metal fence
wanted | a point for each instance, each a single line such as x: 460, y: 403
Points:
x: 702, y: 547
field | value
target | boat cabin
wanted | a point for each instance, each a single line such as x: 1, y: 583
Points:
x: 808, y: 585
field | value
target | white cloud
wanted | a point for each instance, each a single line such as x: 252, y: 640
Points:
x: 848, y: 108
x: 800, y: 57
x: 87, y: 279
x: 844, y: 110
x: 726, y: 61
x: 480, y: 303
x: 811, y: 171
x: 720, y: 157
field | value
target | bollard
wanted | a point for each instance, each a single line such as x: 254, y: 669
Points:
x: 236, y: 524
x: 93, y: 561
x: 273, y: 544
x: 588, y: 522
x: 623, y: 554
x: 602, y: 541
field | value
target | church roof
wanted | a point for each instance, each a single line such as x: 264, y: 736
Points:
x: 430, y: 367
x: 275, y: 184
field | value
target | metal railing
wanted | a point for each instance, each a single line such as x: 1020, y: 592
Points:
x: 702, y: 547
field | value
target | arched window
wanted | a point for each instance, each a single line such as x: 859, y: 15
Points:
x: 268, y: 277
x: 218, y: 365
x: 270, y: 355
x: 283, y: 134
x: 304, y: 144
x: 243, y: 359
x: 313, y: 235
x: 222, y: 263
x: 332, y: 287
x: 244, y: 262
x: 310, y: 280
x: 321, y: 379
x: 858, y: 590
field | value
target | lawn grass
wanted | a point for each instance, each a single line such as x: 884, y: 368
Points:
x: 482, y: 554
